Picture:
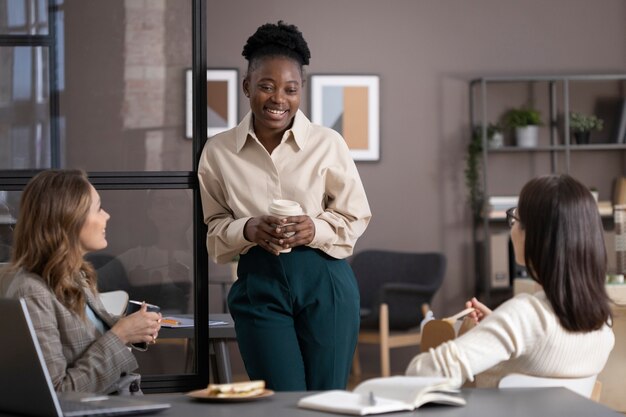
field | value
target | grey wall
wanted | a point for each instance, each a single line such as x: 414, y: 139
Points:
x: 425, y: 53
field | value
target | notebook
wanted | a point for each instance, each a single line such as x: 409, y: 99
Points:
x: 26, y: 387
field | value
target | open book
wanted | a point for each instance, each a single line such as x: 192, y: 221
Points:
x: 384, y: 395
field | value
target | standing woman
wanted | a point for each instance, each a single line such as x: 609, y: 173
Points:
x: 84, y: 347
x: 562, y: 331
x: 296, y: 314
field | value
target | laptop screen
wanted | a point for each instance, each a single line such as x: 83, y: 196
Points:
x: 25, y: 384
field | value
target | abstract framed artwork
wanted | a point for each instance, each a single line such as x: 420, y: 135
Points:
x: 221, y: 86
x: 349, y: 104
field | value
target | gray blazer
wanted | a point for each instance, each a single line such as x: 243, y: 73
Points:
x: 78, y: 356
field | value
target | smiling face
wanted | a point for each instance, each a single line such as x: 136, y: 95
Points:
x: 274, y: 88
x: 93, y: 233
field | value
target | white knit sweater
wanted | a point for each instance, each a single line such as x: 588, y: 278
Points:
x: 523, y: 336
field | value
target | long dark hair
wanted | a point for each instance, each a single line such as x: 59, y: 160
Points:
x: 564, y: 249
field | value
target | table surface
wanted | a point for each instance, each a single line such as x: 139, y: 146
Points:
x: 517, y: 402
x: 225, y: 331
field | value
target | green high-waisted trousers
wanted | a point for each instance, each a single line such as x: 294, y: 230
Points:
x: 296, y: 317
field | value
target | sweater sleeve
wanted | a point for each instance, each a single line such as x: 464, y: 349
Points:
x: 508, y: 332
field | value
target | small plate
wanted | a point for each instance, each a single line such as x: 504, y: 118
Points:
x: 202, y: 394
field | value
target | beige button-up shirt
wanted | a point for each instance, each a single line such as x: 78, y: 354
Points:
x: 312, y: 165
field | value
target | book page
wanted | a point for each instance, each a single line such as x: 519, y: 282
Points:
x: 439, y: 397
x: 402, y: 388
x: 345, y: 402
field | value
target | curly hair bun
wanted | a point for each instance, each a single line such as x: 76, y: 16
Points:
x: 278, y: 39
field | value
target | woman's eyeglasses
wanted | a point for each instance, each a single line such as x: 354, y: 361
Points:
x: 511, y: 216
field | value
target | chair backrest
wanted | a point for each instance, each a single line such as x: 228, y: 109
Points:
x: 583, y: 386
x: 114, y: 302
x: 111, y: 273
x: 403, y: 280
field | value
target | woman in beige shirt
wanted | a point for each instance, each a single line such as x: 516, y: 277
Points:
x: 297, y: 313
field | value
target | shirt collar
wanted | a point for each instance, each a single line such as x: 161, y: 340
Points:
x: 298, y: 130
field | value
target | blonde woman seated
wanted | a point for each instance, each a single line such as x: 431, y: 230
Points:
x: 563, y: 331
x: 85, y: 348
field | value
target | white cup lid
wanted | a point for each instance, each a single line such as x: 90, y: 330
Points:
x: 285, y: 208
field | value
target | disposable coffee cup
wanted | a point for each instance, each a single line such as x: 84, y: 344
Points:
x: 283, y: 209
x: 133, y: 307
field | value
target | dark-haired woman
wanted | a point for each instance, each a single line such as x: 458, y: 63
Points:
x: 296, y: 314
x: 85, y: 348
x: 562, y: 331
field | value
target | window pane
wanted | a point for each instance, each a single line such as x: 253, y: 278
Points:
x: 150, y: 235
x: 150, y: 255
x: 9, y: 202
x: 23, y: 17
x: 24, y: 108
x: 124, y: 71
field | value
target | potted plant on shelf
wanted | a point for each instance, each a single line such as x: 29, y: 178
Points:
x: 494, y: 135
x: 581, y: 126
x: 472, y: 174
x: 526, y: 123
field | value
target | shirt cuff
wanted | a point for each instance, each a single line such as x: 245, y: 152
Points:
x: 234, y: 233
x: 324, y: 235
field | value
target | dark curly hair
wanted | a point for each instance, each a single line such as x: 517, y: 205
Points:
x: 278, y: 39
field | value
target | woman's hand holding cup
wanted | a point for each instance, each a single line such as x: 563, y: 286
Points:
x: 140, y: 326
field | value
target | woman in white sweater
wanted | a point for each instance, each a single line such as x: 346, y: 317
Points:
x: 563, y: 331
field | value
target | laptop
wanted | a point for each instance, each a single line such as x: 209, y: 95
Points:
x: 25, y: 384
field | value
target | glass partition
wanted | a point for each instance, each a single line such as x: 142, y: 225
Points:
x: 22, y: 17
x: 150, y: 256
x: 9, y: 201
x: 24, y: 108
x: 100, y: 85
x: 124, y: 71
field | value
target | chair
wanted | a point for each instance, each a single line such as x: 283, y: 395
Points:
x: 111, y: 273
x: 114, y: 302
x: 396, y: 290
x: 587, y: 386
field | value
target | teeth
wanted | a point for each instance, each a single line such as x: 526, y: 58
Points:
x: 276, y: 111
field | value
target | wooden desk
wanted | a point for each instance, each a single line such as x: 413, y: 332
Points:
x: 544, y: 402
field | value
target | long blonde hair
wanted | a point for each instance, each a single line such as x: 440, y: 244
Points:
x: 53, y: 210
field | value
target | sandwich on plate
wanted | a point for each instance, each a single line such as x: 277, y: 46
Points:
x: 236, y: 389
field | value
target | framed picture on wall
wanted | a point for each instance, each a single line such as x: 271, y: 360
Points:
x: 349, y: 104
x: 221, y: 86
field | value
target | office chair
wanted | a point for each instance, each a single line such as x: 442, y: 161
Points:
x: 114, y: 302
x: 396, y: 290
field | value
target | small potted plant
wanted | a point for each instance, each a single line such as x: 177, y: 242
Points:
x: 581, y: 126
x: 494, y: 135
x: 526, y: 123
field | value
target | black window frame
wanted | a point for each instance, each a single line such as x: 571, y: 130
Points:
x: 16, y: 180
